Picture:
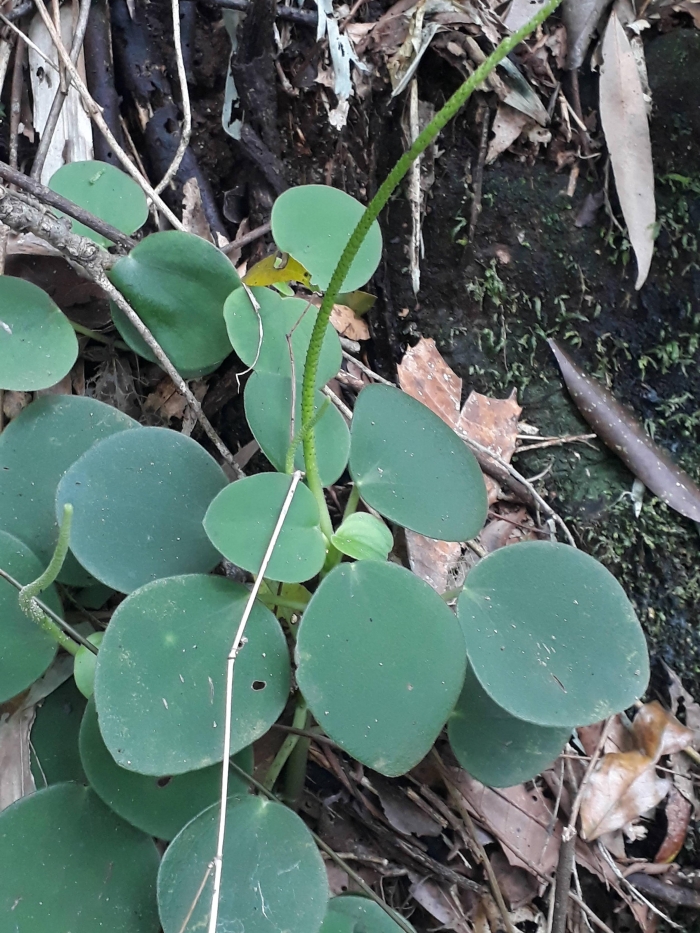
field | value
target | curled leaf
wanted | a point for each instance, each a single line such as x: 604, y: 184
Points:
x: 624, y: 435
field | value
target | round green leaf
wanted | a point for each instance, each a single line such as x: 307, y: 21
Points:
x: 25, y: 648
x: 551, y: 635
x: 177, y: 283
x: 278, y: 317
x: 139, y: 498
x: 412, y: 468
x: 36, y: 449
x: 38, y: 345
x: 495, y: 747
x: 242, y: 518
x: 54, y: 737
x: 69, y: 863
x: 106, y: 192
x: 313, y: 223
x: 273, y: 877
x: 351, y: 913
x: 380, y: 661
x: 160, y: 806
x: 363, y: 537
x: 268, y: 406
x: 85, y: 661
x: 161, y: 675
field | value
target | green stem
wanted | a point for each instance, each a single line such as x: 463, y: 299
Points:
x: 353, y: 499
x: 100, y: 338
x: 289, y: 744
x: 28, y: 601
x: 371, y: 213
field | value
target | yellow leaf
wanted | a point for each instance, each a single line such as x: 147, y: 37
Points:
x: 277, y: 268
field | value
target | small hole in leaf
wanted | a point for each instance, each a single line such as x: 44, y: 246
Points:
x: 164, y: 781
x: 259, y: 685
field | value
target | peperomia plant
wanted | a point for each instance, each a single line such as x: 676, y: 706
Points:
x: 381, y: 663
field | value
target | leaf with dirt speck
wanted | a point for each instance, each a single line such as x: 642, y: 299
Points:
x: 625, y: 436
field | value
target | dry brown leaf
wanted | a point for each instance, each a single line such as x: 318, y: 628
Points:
x: 692, y: 7
x: 14, y: 402
x: 348, y: 324
x: 404, y: 815
x: 626, y: 784
x: 517, y: 526
x: 438, y: 903
x: 626, y: 127
x: 491, y: 422
x: 15, y: 772
x: 507, y: 126
x: 436, y: 562
x: 519, y: 816
x: 425, y: 375
x: 519, y: 887
x: 678, y: 813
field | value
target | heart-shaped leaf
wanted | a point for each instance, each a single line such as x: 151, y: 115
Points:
x: 69, y: 863
x: 161, y: 674
x: 27, y: 650
x: 160, y: 806
x: 36, y: 449
x: 54, y: 745
x: 363, y: 537
x: 268, y: 407
x: 277, y: 319
x: 84, y: 666
x: 350, y: 913
x: 106, y: 192
x: 551, y: 635
x: 313, y: 223
x: 242, y: 518
x: 177, y: 283
x: 38, y: 345
x: 413, y: 469
x: 380, y: 661
x: 495, y: 747
x: 139, y: 499
x: 273, y: 877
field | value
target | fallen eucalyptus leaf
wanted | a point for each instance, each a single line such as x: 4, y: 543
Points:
x: 626, y: 127
x: 624, y: 435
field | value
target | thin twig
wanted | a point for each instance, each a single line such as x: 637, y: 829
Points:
x: 231, y: 660
x: 186, y: 131
x: 61, y: 93
x: 23, y: 37
x: 556, y: 442
x: 480, y: 851
x: 95, y: 112
x: 338, y: 402
x: 567, y: 850
x: 16, y: 100
x: 48, y: 197
x: 635, y: 892
x: 367, y: 371
x: 247, y: 238
x: 546, y: 508
x: 98, y: 275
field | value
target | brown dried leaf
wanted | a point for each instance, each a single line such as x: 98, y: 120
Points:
x: 624, y: 787
x: 431, y: 560
x: 404, y: 815
x: 625, y: 784
x: 520, y: 817
x: 581, y: 18
x: 626, y: 437
x: 678, y: 813
x: 425, y: 375
x: 507, y: 126
x: 624, y: 119
x: 438, y: 903
x: 491, y: 422
x: 348, y: 324
x: 15, y: 773
x: 518, y: 886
